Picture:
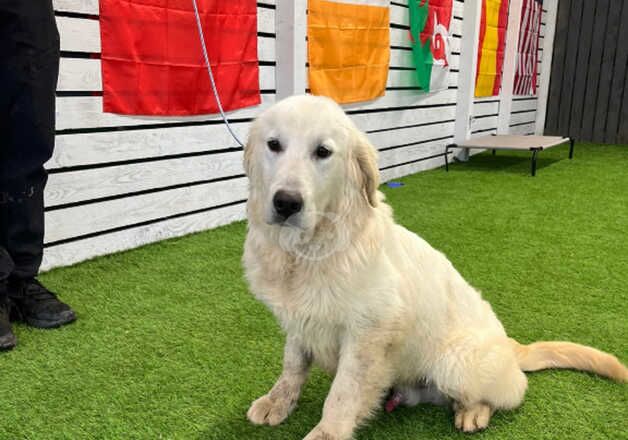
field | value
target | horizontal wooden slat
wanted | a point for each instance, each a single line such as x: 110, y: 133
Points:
x: 79, y: 34
x: 84, y: 74
x: 482, y: 133
x: 86, y: 112
x: 118, y: 213
x: 404, y: 170
x: 412, y: 152
x: 81, y: 6
x: 399, y: 98
x: 407, y: 78
x: 266, y: 20
x: 83, y: 185
x: 402, y: 136
x: 400, y: 37
x: 518, y: 118
x: 74, y: 252
x: 403, y: 58
x: 485, y: 108
x: 401, y: 15
x: 401, y: 118
x: 83, y: 35
x: 79, y: 74
x: 520, y: 105
x: 477, y: 100
x: 82, y: 149
x: 523, y: 129
x: 91, y: 6
x: 484, y: 123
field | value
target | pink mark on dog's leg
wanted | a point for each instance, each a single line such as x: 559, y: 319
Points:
x: 394, y: 401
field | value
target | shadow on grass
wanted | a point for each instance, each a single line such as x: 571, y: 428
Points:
x: 424, y: 421
x: 504, y: 163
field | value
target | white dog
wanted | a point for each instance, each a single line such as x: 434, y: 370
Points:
x: 363, y: 297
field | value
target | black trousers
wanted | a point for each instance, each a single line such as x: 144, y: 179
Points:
x: 29, y: 68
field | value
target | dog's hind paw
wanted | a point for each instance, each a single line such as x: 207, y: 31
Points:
x: 472, y: 418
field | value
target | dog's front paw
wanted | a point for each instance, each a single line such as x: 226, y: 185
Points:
x: 319, y: 433
x: 268, y: 411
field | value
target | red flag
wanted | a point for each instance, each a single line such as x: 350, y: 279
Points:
x: 152, y: 61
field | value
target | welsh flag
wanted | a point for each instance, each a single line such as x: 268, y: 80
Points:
x: 152, y: 62
x: 429, y: 34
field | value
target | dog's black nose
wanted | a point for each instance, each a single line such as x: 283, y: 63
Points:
x: 287, y: 203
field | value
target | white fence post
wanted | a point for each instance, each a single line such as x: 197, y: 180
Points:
x: 291, y: 49
x: 510, y: 61
x: 466, y: 76
x: 546, y: 65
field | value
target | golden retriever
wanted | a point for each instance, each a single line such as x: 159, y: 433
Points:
x: 363, y: 297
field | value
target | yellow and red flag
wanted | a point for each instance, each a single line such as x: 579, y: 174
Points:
x: 348, y: 48
x: 491, y: 47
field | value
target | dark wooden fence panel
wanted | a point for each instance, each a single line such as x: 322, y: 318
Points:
x: 588, y: 96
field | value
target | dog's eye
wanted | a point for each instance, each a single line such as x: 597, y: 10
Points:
x: 274, y: 145
x: 322, y: 152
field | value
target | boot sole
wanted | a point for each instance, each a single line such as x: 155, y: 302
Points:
x: 67, y: 318
x: 8, y: 342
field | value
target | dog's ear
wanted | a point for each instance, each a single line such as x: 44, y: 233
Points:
x: 248, y: 151
x: 366, y: 157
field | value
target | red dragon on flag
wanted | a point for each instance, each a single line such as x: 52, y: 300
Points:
x: 429, y: 35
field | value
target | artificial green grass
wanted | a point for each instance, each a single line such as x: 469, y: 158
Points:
x: 170, y: 344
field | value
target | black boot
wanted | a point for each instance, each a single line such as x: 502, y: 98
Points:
x: 38, y: 306
x: 7, y: 338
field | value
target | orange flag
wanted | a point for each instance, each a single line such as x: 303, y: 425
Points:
x: 348, y: 48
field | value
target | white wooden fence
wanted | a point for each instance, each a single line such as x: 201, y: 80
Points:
x: 118, y: 182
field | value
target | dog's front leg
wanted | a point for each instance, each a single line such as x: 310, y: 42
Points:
x: 362, y: 378
x: 274, y: 407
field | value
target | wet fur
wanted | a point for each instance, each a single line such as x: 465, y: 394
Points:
x: 385, y: 310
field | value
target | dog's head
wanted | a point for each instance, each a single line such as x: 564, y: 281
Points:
x: 306, y: 160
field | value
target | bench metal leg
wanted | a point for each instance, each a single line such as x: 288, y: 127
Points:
x: 447, y: 154
x: 571, y: 142
x: 533, y: 164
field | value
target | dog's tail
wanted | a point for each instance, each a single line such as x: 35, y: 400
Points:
x: 543, y: 355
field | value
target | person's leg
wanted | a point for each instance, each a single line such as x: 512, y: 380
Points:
x: 23, y: 236
x: 29, y: 69
x: 30, y: 73
x: 24, y: 223
x: 22, y: 227
x: 7, y: 338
